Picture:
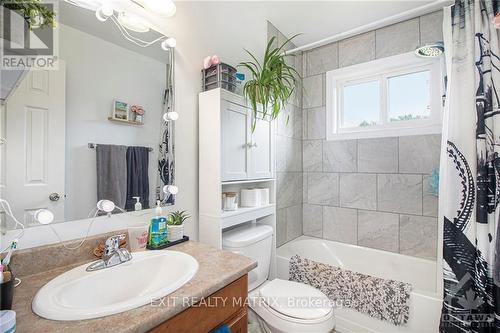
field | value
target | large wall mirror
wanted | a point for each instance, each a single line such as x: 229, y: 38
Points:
x: 91, y: 130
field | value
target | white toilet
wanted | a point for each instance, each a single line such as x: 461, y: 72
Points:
x: 280, y: 306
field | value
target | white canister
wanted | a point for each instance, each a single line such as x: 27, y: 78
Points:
x: 250, y: 198
x: 264, y: 196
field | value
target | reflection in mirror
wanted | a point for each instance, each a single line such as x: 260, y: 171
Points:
x: 93, y: 129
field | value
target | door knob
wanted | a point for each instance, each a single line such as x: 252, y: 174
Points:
x: 54, y: 196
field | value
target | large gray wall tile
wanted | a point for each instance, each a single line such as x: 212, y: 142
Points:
x: 400, y: 193
x: 304, y: 124
x: 323, y: 188
x: 280, y: 227
x: 313, y: 91
x: 316, y: 123
x: 312, y: 218
x: 378, y: 155
x: 322, y: 59
x: 418, y: 236
x: 289, y: 186
x: 312, y: 159
x: 340, y: 224
x: 431, y: 28
x: 304, y: 187
x: 289, y: 122
x: 358, y: 190
x: 293, y: 222
x: 357, y: 49
x: 430, y: 201
x: 419, y: 153
x: 340, y: 156
x: 397, y: 38
x: 288, y: 154
x: 378, y: 230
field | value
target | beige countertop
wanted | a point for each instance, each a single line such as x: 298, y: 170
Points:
x: 217, y: 269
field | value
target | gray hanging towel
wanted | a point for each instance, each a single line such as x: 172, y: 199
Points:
x: 137, y: 176
x: 112, y: 173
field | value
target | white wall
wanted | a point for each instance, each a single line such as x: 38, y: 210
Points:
x: 97, y: 72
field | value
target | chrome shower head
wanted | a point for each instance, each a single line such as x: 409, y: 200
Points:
x: 432, y: 50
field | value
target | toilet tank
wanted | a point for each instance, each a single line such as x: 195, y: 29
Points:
x: 254, y: 241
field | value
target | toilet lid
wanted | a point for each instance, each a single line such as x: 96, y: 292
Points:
x: 296, y: 300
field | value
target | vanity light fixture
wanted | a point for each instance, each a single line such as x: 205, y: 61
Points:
x: 106, y: 206
x: 165, y: 8
x: 104, y: 12
x: 44, y: 216
x: 169, y: 43
x: 170, y: 189
x: 132, y: 22
x: 170, y: 116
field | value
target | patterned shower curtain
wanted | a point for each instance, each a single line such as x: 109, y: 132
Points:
x: 166, y: 155
x: 470, y: 174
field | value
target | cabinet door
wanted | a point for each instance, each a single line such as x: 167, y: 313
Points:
x: 261, y: 149
x: 235, y: 130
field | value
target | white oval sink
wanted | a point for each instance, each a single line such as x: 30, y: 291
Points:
x: 78, y: 294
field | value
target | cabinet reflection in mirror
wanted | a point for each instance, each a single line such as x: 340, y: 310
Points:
x: 93, y: 129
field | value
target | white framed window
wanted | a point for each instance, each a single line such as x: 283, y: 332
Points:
x: 394, y: 96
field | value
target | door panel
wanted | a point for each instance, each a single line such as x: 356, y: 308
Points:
x: 261, y: 150
x: 235, y: 128
x: 35, y: 149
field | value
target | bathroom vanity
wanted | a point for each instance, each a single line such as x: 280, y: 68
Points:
x: 216, y: 295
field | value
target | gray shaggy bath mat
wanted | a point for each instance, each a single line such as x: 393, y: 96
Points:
x: 379, y: 298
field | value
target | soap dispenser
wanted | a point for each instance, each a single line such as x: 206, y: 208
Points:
x: 158, y: 231
x: 138, y: 205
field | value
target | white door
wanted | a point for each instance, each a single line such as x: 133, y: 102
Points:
x: 235, y: 129
x: 261, y: 151
x: 34, y: 152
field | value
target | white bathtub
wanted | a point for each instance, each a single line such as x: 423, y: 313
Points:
x: 425, y: 303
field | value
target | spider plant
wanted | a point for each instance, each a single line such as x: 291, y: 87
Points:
x: 33, y: 11
x: 272, y: 82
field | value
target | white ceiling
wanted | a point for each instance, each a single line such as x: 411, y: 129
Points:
x: 314, y: 19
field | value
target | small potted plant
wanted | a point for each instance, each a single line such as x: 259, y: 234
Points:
x: 176, y: 225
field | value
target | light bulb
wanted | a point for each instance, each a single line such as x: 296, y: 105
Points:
x: 133, y: 22
x: 104, y: 12
x: 170, y: 189
x: 44, y: 216
x: 106, y: 206
x: 170, y: 116
x: 165, y: 8
x: 169, y: 43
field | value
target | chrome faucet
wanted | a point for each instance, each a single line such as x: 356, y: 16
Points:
x: 112, y: 255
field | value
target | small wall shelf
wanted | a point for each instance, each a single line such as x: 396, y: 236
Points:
x: 125, y: 122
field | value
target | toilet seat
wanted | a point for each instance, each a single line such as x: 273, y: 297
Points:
x: 270, y: 302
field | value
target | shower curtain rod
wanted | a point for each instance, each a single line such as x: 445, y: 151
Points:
x: 406, y: 15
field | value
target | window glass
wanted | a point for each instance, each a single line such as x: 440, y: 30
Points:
x: 409, y: 96
x: 361, y: 105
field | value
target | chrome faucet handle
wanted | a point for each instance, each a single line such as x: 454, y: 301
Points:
x: 112, y: 244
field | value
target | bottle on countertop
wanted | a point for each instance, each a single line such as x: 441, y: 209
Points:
x: 138, y: 205
x: 158, y: 231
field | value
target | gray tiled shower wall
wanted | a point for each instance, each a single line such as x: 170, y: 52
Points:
x: 369, y: 192
x: 289, y: 158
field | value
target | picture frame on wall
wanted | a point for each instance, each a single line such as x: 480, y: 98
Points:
x: 120, y: 110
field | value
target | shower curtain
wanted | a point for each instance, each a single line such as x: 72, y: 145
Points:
x: 166, y: 153
x: 470, y: 172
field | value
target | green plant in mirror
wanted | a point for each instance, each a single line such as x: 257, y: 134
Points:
x: 272, y: 81
x: 33, y: 11
x: 178, y: 217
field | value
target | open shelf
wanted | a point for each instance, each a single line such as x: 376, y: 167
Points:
x: 245, y: 214
x: 126, y: 122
